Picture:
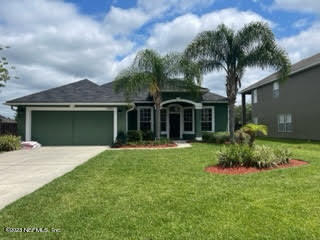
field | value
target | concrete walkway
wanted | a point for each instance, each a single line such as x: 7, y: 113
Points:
x: 24, y: 171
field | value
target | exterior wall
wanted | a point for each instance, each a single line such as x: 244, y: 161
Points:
x: 299, y: 96
x: 21, y: 123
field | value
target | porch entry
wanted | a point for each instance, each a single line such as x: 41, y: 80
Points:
x: 174, y: 122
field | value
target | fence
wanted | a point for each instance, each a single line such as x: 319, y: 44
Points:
x: 8, y: 128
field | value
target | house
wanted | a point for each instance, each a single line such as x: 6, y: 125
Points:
x: 289, y: 108
x: 84, y: 113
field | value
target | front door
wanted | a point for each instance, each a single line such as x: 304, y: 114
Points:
x: 174, y: 125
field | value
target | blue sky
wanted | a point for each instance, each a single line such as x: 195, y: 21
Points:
x: 55, y: 42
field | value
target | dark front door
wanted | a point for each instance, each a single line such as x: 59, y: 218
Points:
x: 174, y: 125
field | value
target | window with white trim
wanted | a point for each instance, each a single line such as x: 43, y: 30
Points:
x: 188, y: 119
x: 276, y: 90
x: 255, y: 120
x: 145, y: 119
x: 163, y: 120
x: 206, y: 119
x: 255, y: 96
x: 285, y: 123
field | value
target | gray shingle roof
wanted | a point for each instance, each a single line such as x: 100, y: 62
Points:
x: 295, y: 68
x: 85, y: 91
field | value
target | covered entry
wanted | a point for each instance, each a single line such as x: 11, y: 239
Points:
x: 71, y: 127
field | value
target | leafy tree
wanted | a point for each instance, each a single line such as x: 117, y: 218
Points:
x: 253, y: 129
x: 4, y: 68
x: 154, y: 72
x: 233, y: 51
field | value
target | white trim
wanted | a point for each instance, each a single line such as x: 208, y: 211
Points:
x: 29, y: 110
x: 197, y: 105
x: 193, y: 121
x: 70, y: 103
x: 138, y: 116
x: 28, y: 124
x: 115, y: 123
x: 213, y: 120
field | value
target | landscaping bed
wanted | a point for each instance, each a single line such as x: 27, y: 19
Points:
x: 148, y: 145
x: 244, y: 170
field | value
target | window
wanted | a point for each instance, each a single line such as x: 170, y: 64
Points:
x: 163, y: 120
x: 276, y: 90
x: 285, y: 123
x: 206, y: 119
x: 255, y: 96
x: 255, y: 120
x: 188, y: 117
x: 145, y: 119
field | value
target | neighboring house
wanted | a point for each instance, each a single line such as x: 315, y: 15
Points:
x: 290, y: 108
x: 84, y: 113
x: 7, y: 126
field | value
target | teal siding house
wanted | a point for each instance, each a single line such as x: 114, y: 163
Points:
x: 84, y: 113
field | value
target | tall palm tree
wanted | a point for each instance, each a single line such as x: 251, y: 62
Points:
x: 233, y: 51
x: 152, y: 71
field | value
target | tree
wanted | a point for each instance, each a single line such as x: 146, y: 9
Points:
x: 238, y: 115
x: 4, y: 69
x: 253, y: 129
x: 152, y: 71
x: 233, y: 51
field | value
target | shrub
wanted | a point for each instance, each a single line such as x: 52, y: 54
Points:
x: 122, y: 138
x: 257, y: 156
x: 134, y: 136
x: 234, y: 155
x: 9, y: 143
x: 208, y: 137
x: 241, y: 137
x: 222, y: 137
x: 217, y: 137
x: 147, y: 135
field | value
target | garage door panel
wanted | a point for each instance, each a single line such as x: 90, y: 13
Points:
x: 72, y: 127
x: 93, y: 128
x: 52, y: 127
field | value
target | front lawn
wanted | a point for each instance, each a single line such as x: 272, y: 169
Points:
x: 165, y: 194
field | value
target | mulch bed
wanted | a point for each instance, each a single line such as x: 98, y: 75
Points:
x: 245, y: 170
x: 149, y: 146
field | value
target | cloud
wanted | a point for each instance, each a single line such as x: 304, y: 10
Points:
x: 175, y: 35
x: 301, y: 23
x: 298, y: 5
x: 124, y: 21
x: 169, y: 7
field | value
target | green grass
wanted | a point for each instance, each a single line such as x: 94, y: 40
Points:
x: 165, y: 194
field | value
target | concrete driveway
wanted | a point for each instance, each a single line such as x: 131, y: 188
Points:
x: 24, y: 171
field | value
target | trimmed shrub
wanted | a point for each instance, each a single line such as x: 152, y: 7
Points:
x: 234, y: 155
x: 147, y: 135
x: 241, y: 137
x: 9, y: 143
x: 217, y: 137
x: 257, y: 156
x: 120, y: 140
x: 134, y: 136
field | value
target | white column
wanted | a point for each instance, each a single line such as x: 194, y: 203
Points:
x: 28, y: 124
x: 115, y: 123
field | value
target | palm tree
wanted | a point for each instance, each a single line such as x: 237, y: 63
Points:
x: 152, y: 71
x: 253, y: 129
x: 233, y: 51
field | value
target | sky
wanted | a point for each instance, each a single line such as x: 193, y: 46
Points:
x: 56, y: 42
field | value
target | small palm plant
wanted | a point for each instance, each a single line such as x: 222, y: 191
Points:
x: 253, y: 129
x: 154, y: 72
